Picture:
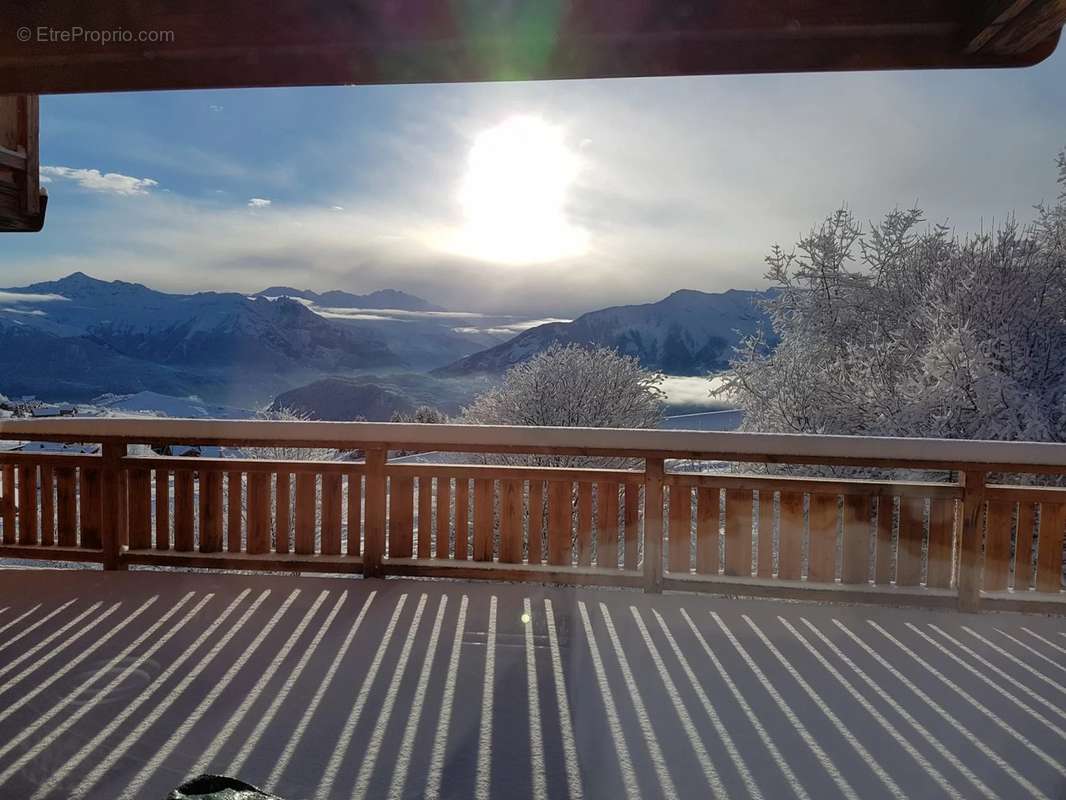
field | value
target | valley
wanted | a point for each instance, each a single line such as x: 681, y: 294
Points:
x: 117, y: 346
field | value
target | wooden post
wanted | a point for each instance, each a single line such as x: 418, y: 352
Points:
x: 374, y: 513
x: 113, y: 537
x: 653, y: 525
x: 971, y: 561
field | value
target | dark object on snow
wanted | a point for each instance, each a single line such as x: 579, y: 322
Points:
x: 218, y: 787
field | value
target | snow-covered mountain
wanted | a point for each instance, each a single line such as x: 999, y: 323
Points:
x: 78, y: 337
x: 687, y: 333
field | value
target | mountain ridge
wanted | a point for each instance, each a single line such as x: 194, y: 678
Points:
x: 688, y: 332
x: 336, y: 298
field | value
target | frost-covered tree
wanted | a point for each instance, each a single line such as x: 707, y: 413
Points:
x: 902, y: 329
x: 427, y: 415
x: 572, y: 386
x: 285, y: 452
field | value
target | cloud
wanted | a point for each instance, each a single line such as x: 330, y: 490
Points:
x: 28, y: 297
x: 94, y: 180
x: 258, y: 202
x: 696, y: 391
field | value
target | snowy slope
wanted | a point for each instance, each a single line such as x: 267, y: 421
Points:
x: 687, y: 333
x: 191, y: 407
x: 74, y: 368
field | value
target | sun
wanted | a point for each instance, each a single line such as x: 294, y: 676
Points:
x: 514, y: 194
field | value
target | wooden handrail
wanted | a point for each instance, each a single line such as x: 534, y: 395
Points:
x: 871, y: 451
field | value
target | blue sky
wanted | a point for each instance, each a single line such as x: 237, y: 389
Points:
x: 582, y: 194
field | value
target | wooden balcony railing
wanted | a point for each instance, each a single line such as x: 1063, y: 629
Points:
x: 954, y: 541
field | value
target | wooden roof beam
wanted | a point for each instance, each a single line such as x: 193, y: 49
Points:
x: 1011, y: 27
x: 156, y: 45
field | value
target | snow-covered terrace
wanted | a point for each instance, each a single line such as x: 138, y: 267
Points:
x: 124, y: 685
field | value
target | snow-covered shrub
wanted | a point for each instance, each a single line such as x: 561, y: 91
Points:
x: 572, y: 386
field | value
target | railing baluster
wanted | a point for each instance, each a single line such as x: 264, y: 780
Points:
x: 941, y: 543
x: 162, y: 509
x: 970, y: 566
x: 27, y: 501
x: 331, y: 514
x: 444, y: 517
x: 653, y: 525
x: 374, y: 550
x: 764, y: 546
x: 283, y: 512
x: 1023, y: 556
x: 536, y: 522
x: 7, y: 503
x: 707, y: 531
x: 631, y: 514
x: 258, y: 512
x: 584, y: 524
x: 559, y: 522
x: 109, y: 499
x: 790, y: 547
x: 883, y: 556
x: 679, y: 529
x: 89, y: 507
x: 355, y: 514
x: 855, y: 563
x: 462, y: 521
x: 484, y: 513
x: 822, y: 554
x: 606, y: 525
x: 184, y: 511
x: 140, y: 512
x: 738, y: 522
x: 305, y: 513
x: 210, y: 511
x: 1049, y: 566
x: 67, y: 507
x: 234, y: 512
x: 998, y: 521
x: 401, y: 517
x: 511, y: 514
x: 909, y: 546
x: 48, y: 508
x: 425, y: 516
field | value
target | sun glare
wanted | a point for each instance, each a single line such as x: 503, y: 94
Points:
x: 514, y: 194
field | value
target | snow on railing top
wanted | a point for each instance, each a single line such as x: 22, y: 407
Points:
x: 765, y: 447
